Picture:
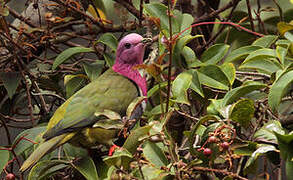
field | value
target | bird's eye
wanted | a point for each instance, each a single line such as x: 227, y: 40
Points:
x: 127, y: 45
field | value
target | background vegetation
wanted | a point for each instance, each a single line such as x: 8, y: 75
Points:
x: 220, y: 79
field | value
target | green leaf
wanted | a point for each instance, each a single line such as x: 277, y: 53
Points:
x: 282, y: 49
x: 261, y: 150
x: 261, y: 53
x: 10, y: 81
x: 121, y: 157
x: 154, y: 154
x: 213, y: 76
x: 65, y: 55
x: 265, y: 41
x: 93, y: 70
x: 135, y: 137
x: 158, y: 10
x: 181, y: 43
x: 265, y: 65
x: 230, y: 71
x: 242, y: 112
x: 156, y: 88
x: 44, y: 169
x: 214, y: 54
x: 109, y: 58
x: 185, y: 21
x: 266, y: 132
x: 73, y: 151
x: 195, y: 84
x: 279, y: 89
x: 180, y: 86
x: 110, y: 40
x: 87, y: 168
x: 241, y: 53
x: 4, y: 154
x: 236, y: 93
x: 190, y: 58
x: 32, y: 134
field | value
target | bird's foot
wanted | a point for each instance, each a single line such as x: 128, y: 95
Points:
x: 112, y: 149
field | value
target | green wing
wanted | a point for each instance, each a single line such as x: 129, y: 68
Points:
x: 110, y: 91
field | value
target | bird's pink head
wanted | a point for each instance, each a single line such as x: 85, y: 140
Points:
x: 130, y: 50
x: 130, y: 53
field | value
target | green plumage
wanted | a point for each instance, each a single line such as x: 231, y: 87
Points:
x: 74, y: 119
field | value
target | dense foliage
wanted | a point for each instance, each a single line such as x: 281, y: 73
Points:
x: 219, y: 87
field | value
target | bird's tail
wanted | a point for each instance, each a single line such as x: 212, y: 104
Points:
x: 43, y: 149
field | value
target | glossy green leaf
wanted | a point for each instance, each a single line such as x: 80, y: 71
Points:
x: 65, y: 55
x: 32, y: 134
x: 135, y: 137
x: 10, y: 81
x: 44, y: 169
x: 93, y: 70
x: 4, y: 154
x: 110, y: 59
x: 86, y: 167
x: 213, y: 76
x: 74, y: 151
x: 241, y: 53
x: 190, y: 57
x: 214, y: 54
x: 279, y: 89
x: 242, y: 112
x: 265, y: 41
x: 120, y: 158
x: 195, y: 83
x: 282, y: 49
x: 181, y: 43
x: 266, y: 132
x: 180, y: 86
x: 154, y: 154
x: 184, y: 21
x: 110, y: 40
x: 261, y: 150
x: 234, y: 94
x: 158, y: 10
x: 156, y: 88
x: 261, y: 53
x: 230, y: 71
x: 265, y: 65
x: 285, y: 142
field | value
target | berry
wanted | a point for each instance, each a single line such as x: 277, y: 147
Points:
x: 10, y: 176
x: 207, y: 151
x: 225, y: 145
x: 212, y: 139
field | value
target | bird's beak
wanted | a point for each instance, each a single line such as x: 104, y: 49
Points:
x: 146, y: 41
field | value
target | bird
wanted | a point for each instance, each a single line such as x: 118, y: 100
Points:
x: 75, y: 120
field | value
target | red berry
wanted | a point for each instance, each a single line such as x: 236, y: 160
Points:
x: 212, y: 139
x: 10, y: 176
x: 225, y: 145
x: 207, y: 151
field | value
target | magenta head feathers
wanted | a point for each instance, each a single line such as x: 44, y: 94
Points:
x: 130, y: 50
x: 129, y: 53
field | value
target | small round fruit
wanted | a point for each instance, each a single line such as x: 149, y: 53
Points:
x: 207, y: 151
x: 212, y: 139
x: 10, y: 176
x: 225, y: 145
